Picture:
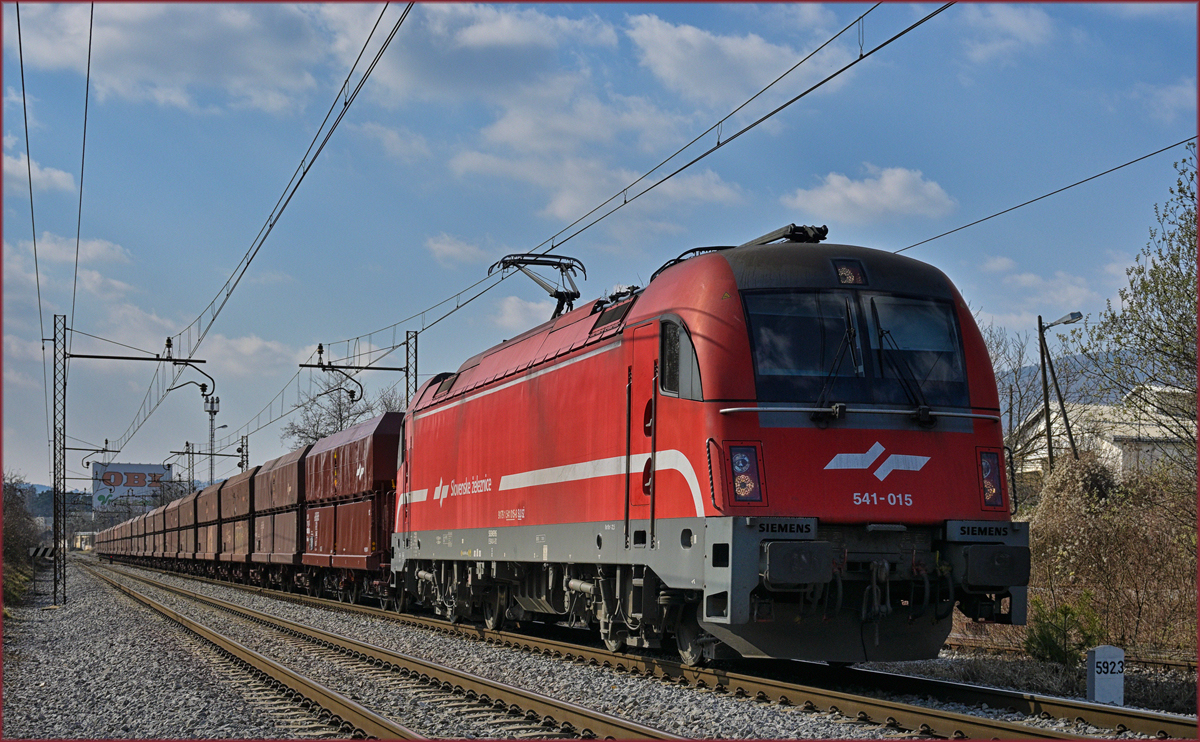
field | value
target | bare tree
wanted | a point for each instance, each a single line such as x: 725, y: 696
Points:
x: 20, y: 530
x: 1016, y: 365
x: 332, y: 409
x: 1144, y: 350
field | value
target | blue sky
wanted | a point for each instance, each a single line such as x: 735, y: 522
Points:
x: 485, y: 129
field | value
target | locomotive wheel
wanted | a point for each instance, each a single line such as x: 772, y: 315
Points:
x: 687, y: 638
x: 493, y: 611
x: 401, y: 601
x: 613, y: 640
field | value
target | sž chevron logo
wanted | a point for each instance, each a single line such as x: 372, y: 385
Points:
x: 894, y: 462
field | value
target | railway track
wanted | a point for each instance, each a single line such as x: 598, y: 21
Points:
x: 496, y: 706
x: 325, y: 704
x: 756, y: 684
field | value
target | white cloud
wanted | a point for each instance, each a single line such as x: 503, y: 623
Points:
x: 515, y: 314
x: 16, y: 176
x: 1168, y: 103
x: 257, y: 56
x: 1063, y: 291
x: 563, y: 114
x: 451, y: 251
x: 461, y: 52
x: 59, y: 249
x: 99, y: 285
x: 1000, y: 32
x: 20, y: 349
x: 577, y: 185
x: 998, y: 264
x: 702, y: 187
x: 16, y: 379
x: 245, y: 357
x: 1171, y: 12
x: 814, y: 18
x: 400, y: 143
x: 267, y: 278
x: 484, y: 26
x: 892, y: 192
x: 721, y: 70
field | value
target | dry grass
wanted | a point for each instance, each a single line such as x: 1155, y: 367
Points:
x: 1164, y: 690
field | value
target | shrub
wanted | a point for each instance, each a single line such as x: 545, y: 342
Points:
x: 1124, y: 544
x: 1064, y: 633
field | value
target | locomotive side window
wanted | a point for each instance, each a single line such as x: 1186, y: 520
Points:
x: 808, y: 346
x: 679, y: 373
x: 445, y: 385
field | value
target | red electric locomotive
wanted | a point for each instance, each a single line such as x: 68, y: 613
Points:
x: 781, y: 449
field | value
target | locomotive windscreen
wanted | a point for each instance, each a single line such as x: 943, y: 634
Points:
x: 822, y: 347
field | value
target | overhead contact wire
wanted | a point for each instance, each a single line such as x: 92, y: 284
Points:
x: 82, y: 160
x: 706, y: 132
x: 37, y: 274
x: 555, y: 245
x: 244, y: 264
x: 1048, y: 195
x: 745, y: 129
x: 633, y: 183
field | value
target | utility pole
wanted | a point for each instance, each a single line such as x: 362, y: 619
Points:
x: 211, y: 405
x: 1044, y: 352
x: 60, y: 458
x: 410, y: 366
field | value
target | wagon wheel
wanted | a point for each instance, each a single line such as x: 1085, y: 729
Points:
x: 348, y: 591
x: 314, y: 585
x: 493, y: 610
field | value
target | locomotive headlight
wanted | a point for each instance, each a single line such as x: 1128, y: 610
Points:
x: 989, y: 471
x: 747, y: 483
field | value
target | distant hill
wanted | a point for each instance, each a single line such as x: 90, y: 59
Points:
x: 1032, y: 375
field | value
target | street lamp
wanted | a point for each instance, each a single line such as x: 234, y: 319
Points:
x: 1067, y: 319
x: 211, y: 406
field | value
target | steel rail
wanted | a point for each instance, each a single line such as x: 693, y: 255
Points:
x: 343, y: 709
x: 1158, y: 724
x: 583, y: 720
x: 1161, y: 725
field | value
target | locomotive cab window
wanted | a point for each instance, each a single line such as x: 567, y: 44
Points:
x: 855, y: 346
x: 679, y: 373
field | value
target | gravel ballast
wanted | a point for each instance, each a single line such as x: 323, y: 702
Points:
x: 106, y: 668
x: 64, y: 650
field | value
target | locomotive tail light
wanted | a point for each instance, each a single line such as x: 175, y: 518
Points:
x: 989, y: 474
x: 747, y: 484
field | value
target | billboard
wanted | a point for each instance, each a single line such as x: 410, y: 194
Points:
x: 135, y: 484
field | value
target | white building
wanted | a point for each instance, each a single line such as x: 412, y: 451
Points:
x: 1126, y: 437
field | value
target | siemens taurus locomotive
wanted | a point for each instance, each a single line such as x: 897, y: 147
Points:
x: 781, y: 449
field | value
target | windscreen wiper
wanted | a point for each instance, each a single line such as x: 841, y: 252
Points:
x: 835, y: 411
x: 912, y: 388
